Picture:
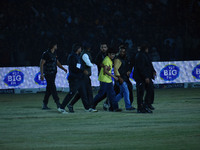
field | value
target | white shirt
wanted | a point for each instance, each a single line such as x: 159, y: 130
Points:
x: 86, y: 59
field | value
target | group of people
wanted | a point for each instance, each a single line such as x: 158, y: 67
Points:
x: 108, y: 59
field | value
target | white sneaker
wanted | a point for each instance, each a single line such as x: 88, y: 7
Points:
x: 92, y: 110
x: 63, y: 111
x: 87, y: 110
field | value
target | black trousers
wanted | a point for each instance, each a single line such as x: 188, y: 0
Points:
x: 89, y: 92
x: 149, y: 95
x: 75, y: 85
x: 50, y: 89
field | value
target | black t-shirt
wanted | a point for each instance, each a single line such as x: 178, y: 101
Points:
x: 99, y: 59
x: 50, y: 66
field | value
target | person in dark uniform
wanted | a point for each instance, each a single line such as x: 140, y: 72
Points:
x: 100, y: 56
x: 143, y: 74
x: 75, y: 78
x: 87, y: 64
x: 48, y: 70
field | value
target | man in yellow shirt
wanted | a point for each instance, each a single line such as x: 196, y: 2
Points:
x: 106, y: 84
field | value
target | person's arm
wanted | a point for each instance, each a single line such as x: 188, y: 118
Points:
x: 117, y: 65
x: 86, y: 59
x: 42, y: 62
x: 130, y: 66
x: 154, y: 72
x: 60, y: 66
x: 108, y: 73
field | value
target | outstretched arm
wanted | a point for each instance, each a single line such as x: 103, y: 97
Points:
x: 42, y: 62
x: 60, y: 66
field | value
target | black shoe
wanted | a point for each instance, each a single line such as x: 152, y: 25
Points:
x: 44, y: 107
x: 118, y: 110
x: 147, y: 110
x: 71, y: 109
x: 141, y: 110
x: 130, y: 109
x: 151, y: 107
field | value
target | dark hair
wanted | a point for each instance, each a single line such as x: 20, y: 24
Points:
x: 144, y: 46
x: 51, y: 44
x: 75, y: 47
x: 87, y: 45
x: 102, y: 43
x: 111, y: 50
x: 122, y: 47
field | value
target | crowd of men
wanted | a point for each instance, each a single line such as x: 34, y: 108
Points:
x: 114, y: 87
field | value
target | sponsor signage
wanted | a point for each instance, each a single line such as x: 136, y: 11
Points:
x: 196, y: 72
x: 38, y: 81
x: 167, y: 73
x: 14, y: 78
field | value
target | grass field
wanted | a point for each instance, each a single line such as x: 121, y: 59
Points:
x: 174, y: 125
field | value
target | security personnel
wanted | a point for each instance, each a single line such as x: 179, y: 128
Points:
x: 76, y: 78
x: 48, y: 69
x: 87, y: 65
x: 101, y: 55
x: 143, y: 74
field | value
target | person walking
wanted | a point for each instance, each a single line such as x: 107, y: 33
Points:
x: 75, y: 78
x: 122, y: 70
x: 87, y: 65
x: 106, y: 84
x: 48, y: 70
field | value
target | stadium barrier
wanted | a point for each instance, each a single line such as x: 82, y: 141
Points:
x: 172, y: 74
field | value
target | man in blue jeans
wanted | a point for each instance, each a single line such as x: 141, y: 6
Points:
x: 122, y: 70
x: 106, y: 84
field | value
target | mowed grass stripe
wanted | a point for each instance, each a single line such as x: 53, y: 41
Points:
x: 175, y: 124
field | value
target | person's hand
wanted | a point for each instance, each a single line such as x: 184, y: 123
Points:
x: 128, y: 73
x: 108, y: 68
x: 85, y: 72
x: 147, y: 80
x: 154, y: 75
x: 65, y: 70
x: 42, y: 77
x: 116, y: 78
x: 120, y: 80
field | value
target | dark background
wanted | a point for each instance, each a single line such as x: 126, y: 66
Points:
x: 171, y: 27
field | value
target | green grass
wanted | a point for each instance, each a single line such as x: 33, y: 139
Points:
x: 174, y: 125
